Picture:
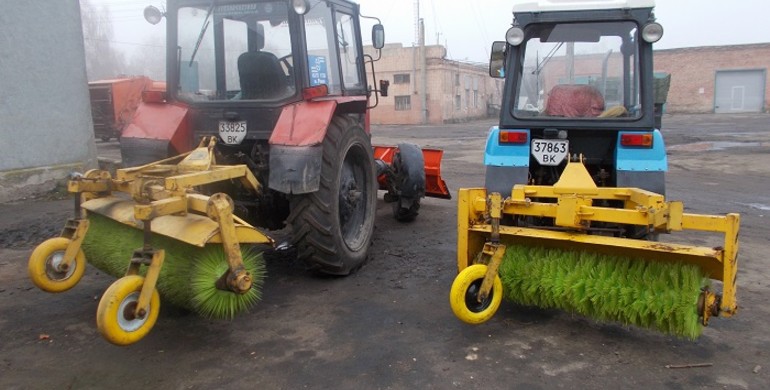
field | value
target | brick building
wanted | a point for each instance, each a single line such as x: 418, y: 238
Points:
x: 456, y: 91
x: 717, y: 79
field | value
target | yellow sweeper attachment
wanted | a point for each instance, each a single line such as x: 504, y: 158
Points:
x: 658, y: 285
x: 184, y: 243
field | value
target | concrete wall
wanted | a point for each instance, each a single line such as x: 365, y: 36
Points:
x: 693, y: 72
x: 45, y: 117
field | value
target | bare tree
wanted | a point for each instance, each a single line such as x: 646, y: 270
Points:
x: 102, y: 60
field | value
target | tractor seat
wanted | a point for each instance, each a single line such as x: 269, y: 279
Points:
x: 574, y: 101
x: 262, y: 76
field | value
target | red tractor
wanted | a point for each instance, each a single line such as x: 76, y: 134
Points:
x: 283, y: 86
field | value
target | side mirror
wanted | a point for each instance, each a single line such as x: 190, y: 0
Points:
x: 384, y: 84
x: 378, y: 36
x: 497, y: 60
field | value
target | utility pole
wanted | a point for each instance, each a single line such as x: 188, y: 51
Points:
x: 570, y: 62
x: 423, y: 75
x: 415, y: 45
x: 416, y: 21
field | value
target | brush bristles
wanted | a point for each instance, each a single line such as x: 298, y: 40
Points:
x: 214, y: 303
x: 189, y: 273
x: 649, y: 294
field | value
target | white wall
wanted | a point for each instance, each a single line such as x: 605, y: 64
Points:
x: 45, y: 118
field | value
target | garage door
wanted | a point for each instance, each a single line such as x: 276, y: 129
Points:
x: 739, y: 91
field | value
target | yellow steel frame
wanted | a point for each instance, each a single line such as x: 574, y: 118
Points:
x: 571, y: 207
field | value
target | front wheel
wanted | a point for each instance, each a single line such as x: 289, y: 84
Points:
x: 115, y: 316
x: 463, y: 297
x: 333, y: 226
x: 45, y: 268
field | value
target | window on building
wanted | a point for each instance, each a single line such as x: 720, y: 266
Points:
x: 467, y: 98
x: 457, y: 79
x: 458, y: 102
x: 403, y: 103
x: 475, y: 99
x: 401, y: 78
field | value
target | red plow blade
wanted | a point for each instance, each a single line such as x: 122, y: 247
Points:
x: 434, y: 185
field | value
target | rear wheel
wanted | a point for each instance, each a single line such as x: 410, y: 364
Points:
x: 333, y: 226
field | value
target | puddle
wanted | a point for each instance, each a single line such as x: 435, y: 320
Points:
x: 713, y: 146
x: 757, y: 206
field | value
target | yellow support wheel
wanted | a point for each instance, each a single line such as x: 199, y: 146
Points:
x: 116, y: 318
x: 44, y: 267
x: 463, y: 297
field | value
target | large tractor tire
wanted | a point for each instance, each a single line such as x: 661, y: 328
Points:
x: 333, y: 226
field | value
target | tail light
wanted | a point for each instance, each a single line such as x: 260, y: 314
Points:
x: 315, y: 92
x: 513, y: 137
x: 636, y: 140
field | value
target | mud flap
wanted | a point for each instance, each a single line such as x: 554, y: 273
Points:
x: 139, y: 151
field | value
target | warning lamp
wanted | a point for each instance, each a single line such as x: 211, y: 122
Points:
x: 636, y: 140
x: 153, y: 96
x: 513, y: 137
x: 315, y: 92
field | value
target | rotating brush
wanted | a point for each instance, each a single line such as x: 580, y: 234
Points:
x: 649, y: 294
x: 189, y: 273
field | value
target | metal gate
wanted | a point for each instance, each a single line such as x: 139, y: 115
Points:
x: 739, y: 91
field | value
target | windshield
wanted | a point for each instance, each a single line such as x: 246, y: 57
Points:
x: 579, y: 70
x: 235, y: 51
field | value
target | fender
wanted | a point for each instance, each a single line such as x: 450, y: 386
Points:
x: 642, y: 167
x: 154, y: 129
x: 295, y: 144
x: 506, y: 165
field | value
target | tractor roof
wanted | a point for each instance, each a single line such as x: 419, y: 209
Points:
x: 579, y: 5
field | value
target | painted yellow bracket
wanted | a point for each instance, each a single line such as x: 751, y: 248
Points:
x: 220, y: 209
x: 153, y: 258
x: 75, y: 229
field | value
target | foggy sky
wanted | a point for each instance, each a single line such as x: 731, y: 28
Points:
x: 468, y: 28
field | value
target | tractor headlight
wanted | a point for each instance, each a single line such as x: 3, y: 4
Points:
x: 300, y: 6
x: 652, y: 32
x: 152, y: 15
x: 514, y: 36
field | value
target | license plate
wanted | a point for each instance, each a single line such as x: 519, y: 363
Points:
x: 232, y: 133
x: 550, y: 152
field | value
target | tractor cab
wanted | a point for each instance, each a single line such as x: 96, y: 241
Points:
x: 233, y: 66
x: 579, y: 82
x: 264, y: 52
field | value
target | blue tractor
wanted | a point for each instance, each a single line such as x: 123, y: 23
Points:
x: 579, y: 84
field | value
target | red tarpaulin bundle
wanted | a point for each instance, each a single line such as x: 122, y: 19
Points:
x: 574, y: 101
